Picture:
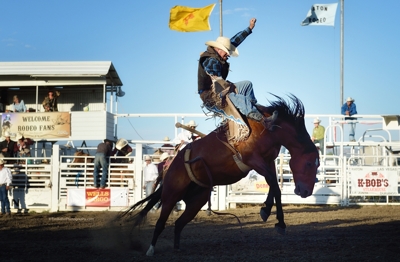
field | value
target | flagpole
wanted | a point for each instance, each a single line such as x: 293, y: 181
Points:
x: 341, y: 50
x: 220, y: 18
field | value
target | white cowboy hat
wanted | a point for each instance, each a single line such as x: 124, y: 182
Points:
x: 224, y: 43
x: 164, y: 156
x: 121, y: 143
x: 147, y: 158
x: 166, y: 138
x: 191, y: 123
x: 317, y: 121
x: 18, y: 136
x: 7, y: 134
x: 1, y: 162
x: 349, y: 99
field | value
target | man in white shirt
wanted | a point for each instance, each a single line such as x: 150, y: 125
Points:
x: 150, y: 174
x: 5, y: 181
x: 186, y: 137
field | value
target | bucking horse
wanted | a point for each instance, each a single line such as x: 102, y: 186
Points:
x: 210, y: 161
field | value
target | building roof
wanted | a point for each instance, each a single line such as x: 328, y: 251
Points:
x: 76, y: 69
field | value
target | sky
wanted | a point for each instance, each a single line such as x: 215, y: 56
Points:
x: 158, y: 66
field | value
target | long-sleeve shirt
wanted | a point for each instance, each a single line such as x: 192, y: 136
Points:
x: 352, y: 109
x: 104, y: 148
x: 185, y: 136
x: 5, y: 176
x: 150, y: 172
x: 213, y: 66
x: 18, y: 107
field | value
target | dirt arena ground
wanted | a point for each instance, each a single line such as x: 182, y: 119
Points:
x: 314, y: 233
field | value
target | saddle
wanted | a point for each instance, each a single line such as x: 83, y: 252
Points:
x: 237, y: 129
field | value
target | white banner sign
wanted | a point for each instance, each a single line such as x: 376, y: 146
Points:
x: 114, y: 197
x: 321, y: 14
x: 374, y: 180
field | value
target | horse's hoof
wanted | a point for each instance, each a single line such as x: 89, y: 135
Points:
x: 150, y: 251
x: 208, y: 212
x: 280, y: 230
x: 264, y: 215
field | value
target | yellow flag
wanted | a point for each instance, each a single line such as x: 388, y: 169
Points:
x: 188, y: 19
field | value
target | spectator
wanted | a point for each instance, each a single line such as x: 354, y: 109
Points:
x: 167, y: 147
x: 17, y: 105
x: 318, y: 135
x: 5, y: 181
x: 23, y: 145
x: 50, y: 101
x: 186, y: 137
x: 150, y: 174
x: 122, y: 148
x: 349, y: 109
x: 101, y: 158
x: 8, y: 147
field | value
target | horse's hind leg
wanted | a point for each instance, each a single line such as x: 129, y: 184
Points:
x: 166, y: 209
x: 194, y: 202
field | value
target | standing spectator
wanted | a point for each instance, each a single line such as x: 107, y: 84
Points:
x: 150, y: 174
x: 5, y: 181
x: 167, y: 147
x: 50, y: 101
x: 186, y: 137
x: 318, y: 135
x: 17, y: 105
x: 122, y: 148
x: 101, y: 158
x: 349, y: 109
x: 8, y: 147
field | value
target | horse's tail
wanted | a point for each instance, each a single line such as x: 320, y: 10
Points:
x: 151, y: 201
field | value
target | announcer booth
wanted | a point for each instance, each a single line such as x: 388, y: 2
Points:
x: 83, y: 89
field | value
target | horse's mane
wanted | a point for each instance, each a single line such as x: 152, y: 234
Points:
x: 290, y: 111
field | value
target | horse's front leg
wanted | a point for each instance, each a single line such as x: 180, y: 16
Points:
x: 265, y: 212
x: 280, y: 226
x: 273, y: 193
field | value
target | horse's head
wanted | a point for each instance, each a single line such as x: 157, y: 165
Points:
x: 287, y: 126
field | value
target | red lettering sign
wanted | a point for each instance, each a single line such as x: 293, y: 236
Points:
x: 97, y: 197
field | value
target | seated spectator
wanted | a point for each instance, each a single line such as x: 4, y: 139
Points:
x: 8, y: 147
x: 50, y: 101
x: 23, y: 145
x: 17, y: 105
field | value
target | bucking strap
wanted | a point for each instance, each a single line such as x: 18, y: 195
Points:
x: 189, y: 170
x: 242, y: 166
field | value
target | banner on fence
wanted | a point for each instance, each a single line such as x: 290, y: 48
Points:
x: 253, y: 182
x: 37, y: 125
x: 92, y: 197
x: 373, y: 180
